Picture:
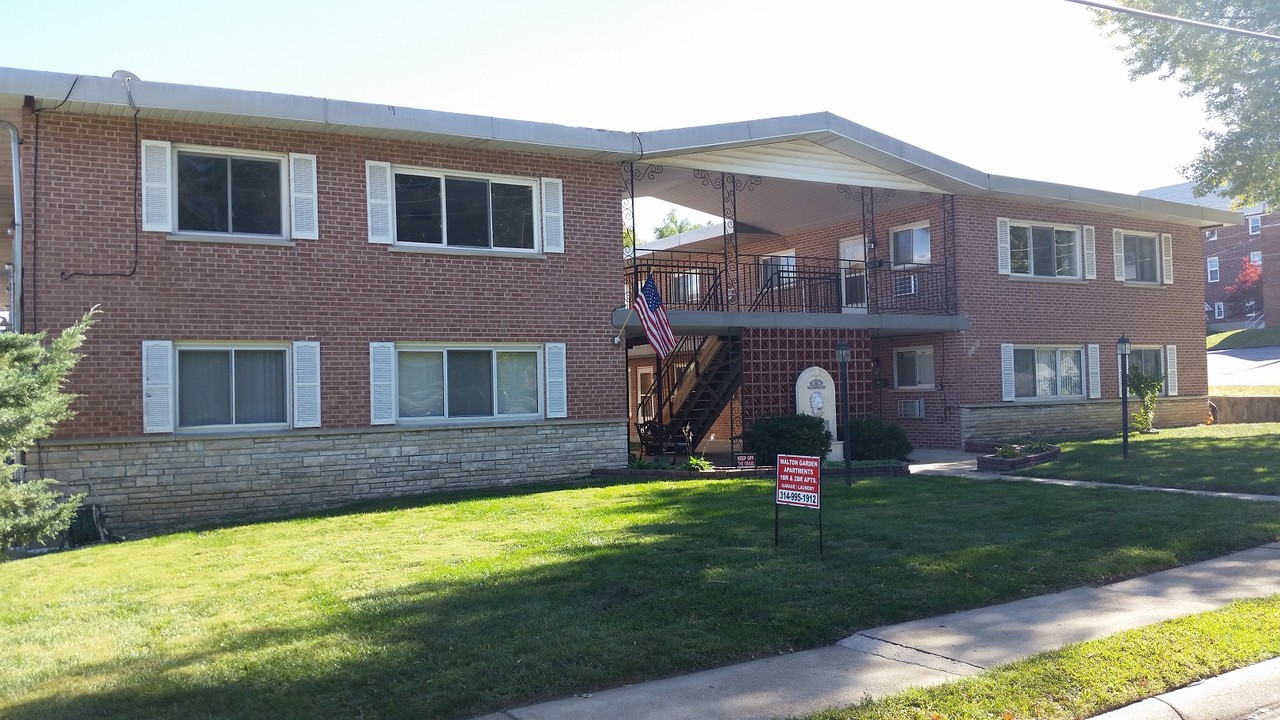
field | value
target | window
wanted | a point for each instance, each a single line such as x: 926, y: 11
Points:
x: 1150, y: 360
x: 1255, y: 224
x: 913, y: 368
x: 1211, y: 269
x: 1255, y: 257
x: 232, y: 386
x: 418, y: 207
x: 1048, y: 372
x: 426, y: 383
x: 1218, y: 311
x: 1211, y: 235
x: 910, y: 245
x: 224, y: 386
x: 1044, y: 250
x: 219, y: 192
x: 685, y: 289
x: 780, y: 269
x: 1143, y: 257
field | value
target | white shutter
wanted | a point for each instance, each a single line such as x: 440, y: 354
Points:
x: 1090, y: 255
x: 382, y: 383
x: 1171, y: 370
x: 1166, y: 254
x: 557, y: 381
x: 157, y: 186
x: 1006, y: 371
x: 303, y: 197
x: 1003, y: 262
x: 378, y: 180
x: 1117, y: 239
x: 157, y: 386
x: 552, y: 215
x: 1095, y: 372
x: 306, y: 384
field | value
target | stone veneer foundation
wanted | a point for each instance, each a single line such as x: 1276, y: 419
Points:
x: 1071, y: 420
x: 151, y: 484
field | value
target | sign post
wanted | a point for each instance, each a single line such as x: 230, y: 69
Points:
x: 799, y: 484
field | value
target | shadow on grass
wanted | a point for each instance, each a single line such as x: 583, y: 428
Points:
x: 700, y: 588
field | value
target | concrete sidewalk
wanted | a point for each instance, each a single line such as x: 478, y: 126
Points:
x: 887, y: 660
x: 883, y: 661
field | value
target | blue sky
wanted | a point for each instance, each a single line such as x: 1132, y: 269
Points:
x: 1028, y: 88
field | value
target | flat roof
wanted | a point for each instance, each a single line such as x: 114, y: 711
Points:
x: 815, y: 147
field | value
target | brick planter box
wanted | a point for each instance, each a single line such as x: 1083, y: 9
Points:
x: 991, y: 463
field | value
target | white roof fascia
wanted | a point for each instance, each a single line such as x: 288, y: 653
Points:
x: 190, y: 103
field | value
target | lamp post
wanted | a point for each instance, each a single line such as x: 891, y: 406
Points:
x: 842, y: 357
x: 1122, y: 350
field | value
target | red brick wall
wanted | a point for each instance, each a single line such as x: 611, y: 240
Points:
x: 1002, y: 309
x: 1232, y: 246
x: 339, y: 289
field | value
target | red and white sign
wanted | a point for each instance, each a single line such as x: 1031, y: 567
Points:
x: 799, y: 481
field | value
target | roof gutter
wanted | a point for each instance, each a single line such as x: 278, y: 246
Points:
x: 15, y: 275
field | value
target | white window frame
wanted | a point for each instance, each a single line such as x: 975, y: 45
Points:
x: 1255, y: 257
x: 536, y: 191
x: 494, y: 349
x: 160, y: 385
x: 1085, y: 376
x: 919, y: 351
x: 1079, y: 252
x: 1255, y: 224
x: 1219, y: 311
x: 1212, y: 273
x: 299, y: 197
x: 767, y: 261
x: 1163, y: 243
x: 1211, y: 234
x: 1168, y: 369
x: 894, y: 260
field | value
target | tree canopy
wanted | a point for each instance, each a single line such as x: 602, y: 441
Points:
x: 673, y: 224
x: 1237, y: 77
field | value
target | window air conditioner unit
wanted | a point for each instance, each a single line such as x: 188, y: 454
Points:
x: 911, y: 408
x: 904, y: 285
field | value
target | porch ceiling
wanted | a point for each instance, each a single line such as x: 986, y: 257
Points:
x: 783, y: 203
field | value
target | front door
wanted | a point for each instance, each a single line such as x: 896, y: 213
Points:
x: 853, y: 275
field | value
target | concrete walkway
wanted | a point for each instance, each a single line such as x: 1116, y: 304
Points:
x: 883, y: 661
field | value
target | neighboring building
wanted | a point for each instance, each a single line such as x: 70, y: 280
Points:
x: 308, y: 301
x: 1226, y: 249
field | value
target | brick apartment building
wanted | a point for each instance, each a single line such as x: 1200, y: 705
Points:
x: 309, y: 301
x: 1226, y: 249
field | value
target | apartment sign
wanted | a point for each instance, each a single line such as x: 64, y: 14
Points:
x: 799, y: 481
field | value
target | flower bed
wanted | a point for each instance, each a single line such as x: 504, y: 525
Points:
x: 996, y: 463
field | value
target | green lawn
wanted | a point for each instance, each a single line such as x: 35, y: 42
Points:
x: 1258, y: 337
x: 1245, y: 390
x: 463, y: 604
x: 1090, y: 678
x: 1227, y: 458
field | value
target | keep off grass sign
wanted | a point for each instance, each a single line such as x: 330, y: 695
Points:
x: 799, y: 481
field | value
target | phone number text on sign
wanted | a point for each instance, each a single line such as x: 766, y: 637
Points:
x: 798, y: 480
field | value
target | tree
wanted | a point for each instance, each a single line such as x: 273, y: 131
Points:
x: 672, y: 224
x: 628, y: 238
x: 1147, y: 389
x: 1237, y: 77
x: 32, y: 402
x: 1245, y: 294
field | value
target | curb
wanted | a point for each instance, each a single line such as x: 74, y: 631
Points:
x: 1250, y: 692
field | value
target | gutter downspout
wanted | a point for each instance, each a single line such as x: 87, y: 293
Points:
x: 15, y: 291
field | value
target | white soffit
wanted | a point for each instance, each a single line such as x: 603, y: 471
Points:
x: 794, y: 160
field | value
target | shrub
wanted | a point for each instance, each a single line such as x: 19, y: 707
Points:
x: 1035, y: 446
x: 788, y: 435
x: 1147, y: 389
x: 697, y: 463
x: 1007, y: 451
x: 874, y: 439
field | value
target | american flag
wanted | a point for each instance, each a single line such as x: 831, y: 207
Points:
x: 648, y: 305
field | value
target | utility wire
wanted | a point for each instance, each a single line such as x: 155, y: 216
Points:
x: 1175, y: 19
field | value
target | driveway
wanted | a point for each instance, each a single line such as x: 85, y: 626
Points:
x: 1245, y: 366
